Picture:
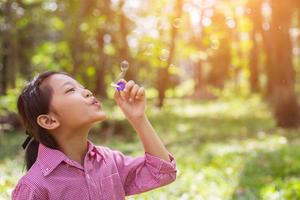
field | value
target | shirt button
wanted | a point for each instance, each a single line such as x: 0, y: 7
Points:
x: 47, y: 171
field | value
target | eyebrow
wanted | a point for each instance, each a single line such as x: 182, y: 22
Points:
x: 67, y: 83
x: 70, y: 83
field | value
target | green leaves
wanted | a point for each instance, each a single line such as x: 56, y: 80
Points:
x: 227, y: 149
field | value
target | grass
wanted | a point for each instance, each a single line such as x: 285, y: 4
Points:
x: 225, y: 149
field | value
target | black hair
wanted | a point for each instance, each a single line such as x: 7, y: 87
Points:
x: 33, y: 101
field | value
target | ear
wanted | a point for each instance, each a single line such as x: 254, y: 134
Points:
x: 48, y: 122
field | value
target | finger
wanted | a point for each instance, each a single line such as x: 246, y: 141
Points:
x: 133, y: 92
x: 128, y: 87
x: 140, y: 93
x: 118, y: 97
x: 122, y: 80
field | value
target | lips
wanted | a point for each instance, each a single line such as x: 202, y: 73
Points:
x: 96, y: 103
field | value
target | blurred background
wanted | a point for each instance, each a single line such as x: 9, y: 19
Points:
x: 221, y: 77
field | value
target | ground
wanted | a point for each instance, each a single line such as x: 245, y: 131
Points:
x: 225, y: 149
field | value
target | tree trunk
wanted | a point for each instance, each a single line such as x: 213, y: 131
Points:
x: 281, y: 72
x: 163, y: 78
x: 6, y: 58
x: 101, y: 86
x: 3, y: 70
x: 76, y: 42
x: 254, y: 73
x: 256, y: 17
x: 101, y: 67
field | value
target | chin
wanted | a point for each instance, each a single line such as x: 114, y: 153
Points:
x: 95, y: 117
x: 100, y: 116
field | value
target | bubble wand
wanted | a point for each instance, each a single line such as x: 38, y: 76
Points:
x: 120, y: 86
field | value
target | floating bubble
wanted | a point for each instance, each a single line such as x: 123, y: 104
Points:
x: 124, y: 65
x: 51, y: 6
x: 240, y: 10
x: 107, y: 38
x: 84, y: 26
x: 149, y: 49
x: 215, y: 44
x: 230, y: 23
x: 120, y: 85
x: 206, y: 21
x: 206, y: 4
x: 164, y: 55
x: 245, y: 36
x: 266, y: 26
x: 96, y: 13
x: 249, y: 11
x: 173, y: 69
x: 295, y: 32
x: 296, y: 51
x: 202, y: 55
x: 266, y: 9
x: 177, y: 23
x: 162, y: 24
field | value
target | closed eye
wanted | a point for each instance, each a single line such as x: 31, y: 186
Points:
x: 70, y: 90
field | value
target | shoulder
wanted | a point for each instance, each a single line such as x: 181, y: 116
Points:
x: 114, y: 156
x: 25, y: 189
x: 29, y: 185
x: 106, y: 151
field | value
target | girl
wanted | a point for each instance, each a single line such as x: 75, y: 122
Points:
x: 57, y: 113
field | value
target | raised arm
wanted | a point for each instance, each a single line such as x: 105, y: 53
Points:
x: 133, y: 102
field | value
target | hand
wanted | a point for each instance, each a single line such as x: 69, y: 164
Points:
x: 132, y: 100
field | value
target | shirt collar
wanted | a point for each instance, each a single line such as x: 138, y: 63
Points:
x: 48, y: 158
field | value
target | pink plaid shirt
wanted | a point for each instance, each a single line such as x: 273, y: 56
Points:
x: 107, y: 174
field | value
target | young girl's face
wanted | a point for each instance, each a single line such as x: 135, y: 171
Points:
x: 73, y: 105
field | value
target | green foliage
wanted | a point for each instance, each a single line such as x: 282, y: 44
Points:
x: 51, y: 56
x: 8, y: 101
x: 226, y: 149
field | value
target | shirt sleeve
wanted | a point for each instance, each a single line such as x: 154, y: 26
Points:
x: 24, y: 192
x: 144, y: 173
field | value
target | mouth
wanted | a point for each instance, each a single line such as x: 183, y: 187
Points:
x: 96, y: 103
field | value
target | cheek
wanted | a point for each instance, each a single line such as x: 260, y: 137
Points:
x: 70, y: 108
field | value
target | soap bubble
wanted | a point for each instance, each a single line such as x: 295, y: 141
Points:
x: 230, y: 23
x: 162, y: 24
x: 124, y: 65
x: 296, y: 51
x: 107, y: 38
x: 177, y: 23
x: 266, y: 26
x: 164, y: 55
x: 204, y: 4
x: 206, y: 21
x: 249, y: 11
x: 215, y: 44
x: 149, y: 49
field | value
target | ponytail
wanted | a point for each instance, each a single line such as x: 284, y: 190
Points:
x: 31, y: 152
x: 31, y: 146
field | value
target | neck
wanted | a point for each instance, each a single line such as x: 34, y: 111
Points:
x: 73, y: 144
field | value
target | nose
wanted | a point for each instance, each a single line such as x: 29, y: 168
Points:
x: 87, y: 93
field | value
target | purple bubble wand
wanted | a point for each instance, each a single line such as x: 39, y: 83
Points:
x: 120, y: 86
